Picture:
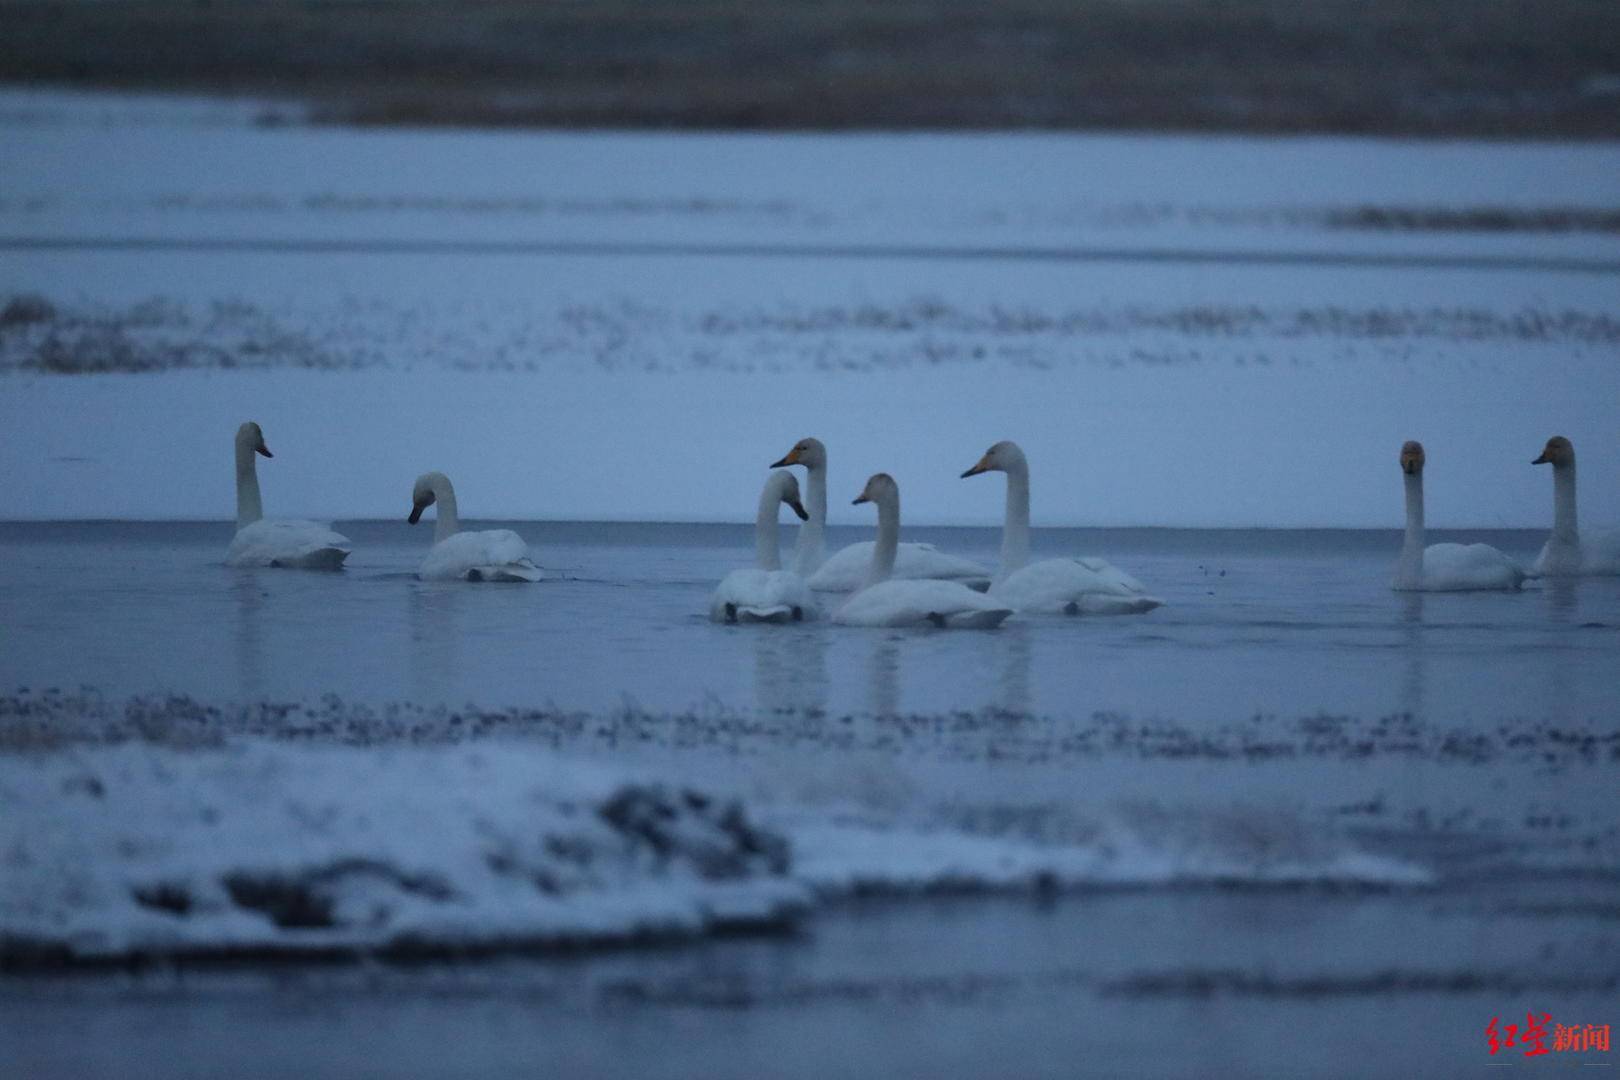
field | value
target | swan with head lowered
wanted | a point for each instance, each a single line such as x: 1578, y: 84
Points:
x: 1567, y: 553
x: 1444, y: 567
x: 766, y: 593
x: 301, y: 545
x: 1074, y: 586
x: 889, y: 601
x: 851, y: 566
x: 488, y: 555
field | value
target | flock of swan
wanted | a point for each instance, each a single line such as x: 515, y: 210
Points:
x: 904, y: 584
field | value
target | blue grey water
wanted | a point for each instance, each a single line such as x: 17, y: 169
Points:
x: 1283, y: 691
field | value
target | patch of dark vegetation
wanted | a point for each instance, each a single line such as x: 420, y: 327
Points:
x: 1488, y: 219
x: 163, y: 896
x: 162, y: 335
x: 49, y: 719
x: 718, y: 841
x: 1387, y: 983
x: 1508, y: 67
x: 309, y: 900
x: 25, y: 310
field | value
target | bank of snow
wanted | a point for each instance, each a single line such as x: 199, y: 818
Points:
x: 256, y: 848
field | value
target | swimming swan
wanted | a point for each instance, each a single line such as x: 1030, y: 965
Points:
x: 850, y: 567
x: 489, y: 555
x: 1444, y: 567
x: 1567, y: 553
x: 886, y: 601
x: 301, y: 545
x: 766, y: 593
x: 1052, y: 586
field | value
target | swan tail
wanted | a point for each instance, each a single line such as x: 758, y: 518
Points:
x: 519, y: 571
x: 327, y: 558
x: 985, y: 619
x: 1107, y: 604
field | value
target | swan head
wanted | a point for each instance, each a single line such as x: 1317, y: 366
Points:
x: 807, y: 452
x: 1558, y: 452
x: 422, y: 495
x: 1002, y: 457
x: 250, y: 436
x: 1412, y: 457
x: 784, y: 486
x: 879, y: 488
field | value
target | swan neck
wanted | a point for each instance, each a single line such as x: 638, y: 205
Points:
x: 1564, y: 527
x: 766, y: 553
x: 809, y: 550
x: 1410, y: 570
x: 888, y: 539
x: 448, y: 522
x: 1015, y: 528
x: 249, y: 507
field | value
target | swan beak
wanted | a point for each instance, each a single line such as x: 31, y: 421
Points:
x: 790, y: 458
x: 860, y: 499
x: 1542, y: 460
x: 798, y: 508
x: 982, y: 466
x: 263, y: 449
x: 416, y: 514
x: 1409, y: 468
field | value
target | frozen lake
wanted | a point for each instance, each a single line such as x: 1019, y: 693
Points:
x: 1292, y: 819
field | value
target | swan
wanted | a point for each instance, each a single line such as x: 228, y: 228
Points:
x: 302, y: 545
x: 849, y: 568
x: 488, y: 555
x: 1567, y: 553
x: 766, y: 593
x: 1444, y: 567
x: 887, y: 601
x: 1071, y: 586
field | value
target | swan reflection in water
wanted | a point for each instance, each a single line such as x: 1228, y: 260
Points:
x: 434, y: 614
x: 790, y: 671
x: 248, y: 596
x: 1413, y: 644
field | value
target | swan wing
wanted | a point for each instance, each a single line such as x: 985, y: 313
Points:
x: 921, y: 602
x: 489, y: 555
x: 848, y: 568
x: 761, y: 596
x: 284, y: 542
x: 1073, y: 587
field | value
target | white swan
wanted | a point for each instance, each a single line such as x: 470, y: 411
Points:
x: 850, y: 567
x: 886, y: 601
x: 1567, y: 553
x: 766, y: 593
x: 301, y: 545
x: 489, y: 555
x: 1444, y: 567
x: 1052, y: 586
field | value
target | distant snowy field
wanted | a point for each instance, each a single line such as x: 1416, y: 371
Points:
x: 1180, y: 331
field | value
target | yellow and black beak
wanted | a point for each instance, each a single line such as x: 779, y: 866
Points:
x: 790, y: 458
x: 263, y: 449
x: 1542, y: 460
x: 798, y: 508
x: 982, y: 466
x: 416, y: 513
x: 1409, y: 466
x: 860, y: 499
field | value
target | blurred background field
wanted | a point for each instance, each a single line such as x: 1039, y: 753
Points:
x: 1510, y: 68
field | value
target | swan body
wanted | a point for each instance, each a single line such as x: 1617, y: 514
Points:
x: 484, y: 555
x: 1073, y: 586
x: 850, y: 567
x: 286, y: 542
x: 1567, y: 552
x: 887, y: 601
x: 1444, y: 567
x: 766, y: 592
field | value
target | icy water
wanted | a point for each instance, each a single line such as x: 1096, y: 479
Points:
x: 1288, y: 808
